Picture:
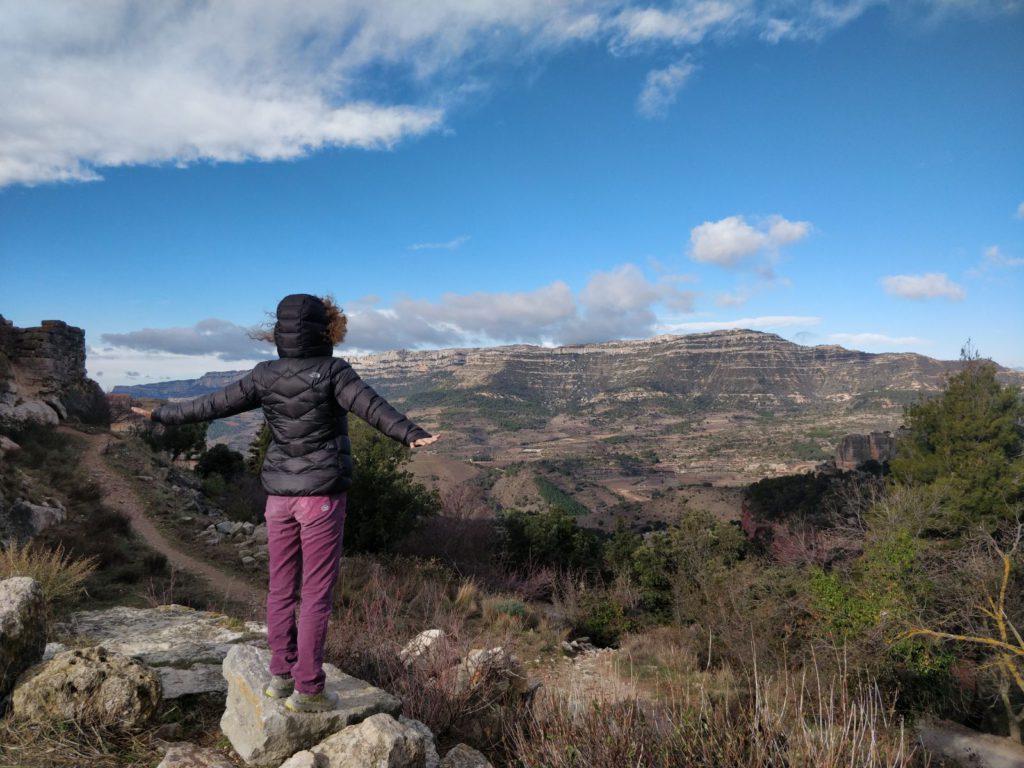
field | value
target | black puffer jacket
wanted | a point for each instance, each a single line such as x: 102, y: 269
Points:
x: 306, y: 396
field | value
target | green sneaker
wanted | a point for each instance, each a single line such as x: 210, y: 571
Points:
x: 311, y: 702
x: 280, y: 686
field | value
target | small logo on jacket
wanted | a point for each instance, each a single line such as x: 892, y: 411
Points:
x: 314, y: 375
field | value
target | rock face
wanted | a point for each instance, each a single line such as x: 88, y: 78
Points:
x: 23, y: 520
x: 91, y: 686
x: 49, y: 361
x: 969, y: 748
x: 185, y: 755
x: 264, y: 733
x: 855, y: 450
x: 379, y: 741
x: 464, y: 756
x: 22, y: 629
x: 185, y: 646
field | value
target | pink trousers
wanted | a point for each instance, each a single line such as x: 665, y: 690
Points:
x: 304, y: 538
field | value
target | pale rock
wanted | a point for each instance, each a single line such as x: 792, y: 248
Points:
x: 34, y: 410
x: 303, y: 759
x: 432, y: 759
x: 423, y: 646
x: 52, y: 649
x: 248, y: 561
x: 90, y: 686
x: 464, y: 756
x: 22, y: 629
x: 259, y: 534
x: 57, y: 406
x: 185, y: 646
x: 7, y: 446
x: 379, y: 741
x: 264, y: 733
x: 248, y: 528
x: 229, y: 527
x: 967, y: 747
x: 186, y: 755
x: 25, y: 520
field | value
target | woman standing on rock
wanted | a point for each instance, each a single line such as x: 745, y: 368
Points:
x: 306, y: 396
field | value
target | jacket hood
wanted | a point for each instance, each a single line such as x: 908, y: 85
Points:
x: 301, y: 327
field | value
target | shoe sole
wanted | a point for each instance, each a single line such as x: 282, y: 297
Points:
x: 270, y: 693
x: 330, y: 706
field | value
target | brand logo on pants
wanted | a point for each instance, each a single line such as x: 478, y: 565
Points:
x: 324, y: 507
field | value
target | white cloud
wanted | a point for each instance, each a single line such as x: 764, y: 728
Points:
x: 661, y: 88
x: 872, y: 340
x: 753, y: 323
x: 619, y: 303
x: 932, y: 285
x: 447, y: 245
x: 731, y: 240
x: 1020, y: 211
x: 92, y: 85
x: 994, y: 259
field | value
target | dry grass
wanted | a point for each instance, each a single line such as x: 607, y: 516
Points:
x: 792, y: 720
x: 62, y: 576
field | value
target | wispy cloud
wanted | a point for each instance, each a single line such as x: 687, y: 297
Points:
x: 447, y: 245
x: 730, y: 241
x: 661, y: 88
x: 933, y: 285
x: 1020, y: 211
x: 995, y: 259
x: 90, y: 86
x: 619, y: 303
x: 752, y: 323
x: 875, y: 340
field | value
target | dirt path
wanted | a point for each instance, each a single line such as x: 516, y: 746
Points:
x: 588, y: 677
x: 118, y: 494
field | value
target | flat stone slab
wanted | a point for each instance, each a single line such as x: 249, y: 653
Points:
x: 185, y: 646
x: 264, y: 733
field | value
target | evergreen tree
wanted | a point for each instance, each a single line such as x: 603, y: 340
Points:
x: 967, y: 446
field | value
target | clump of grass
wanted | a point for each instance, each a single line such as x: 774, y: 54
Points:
x: 467, y: 599
x: 62, y: 576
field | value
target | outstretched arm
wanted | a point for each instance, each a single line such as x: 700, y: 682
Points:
x: 236, y: 397
x: 355, y: 395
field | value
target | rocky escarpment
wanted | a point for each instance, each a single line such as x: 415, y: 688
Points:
x: 43, y: 376
x: 856, y: 450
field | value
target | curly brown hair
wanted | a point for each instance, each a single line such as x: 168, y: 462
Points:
x: 337, y: 324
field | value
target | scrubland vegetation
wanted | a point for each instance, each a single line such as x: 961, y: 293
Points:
x: 851, y: 606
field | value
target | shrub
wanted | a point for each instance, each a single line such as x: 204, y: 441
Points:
x: 553, y: 538
x: 61, y: 576
x: 221, y: 460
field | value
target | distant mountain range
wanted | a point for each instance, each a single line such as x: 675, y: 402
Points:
x: 484, y: 397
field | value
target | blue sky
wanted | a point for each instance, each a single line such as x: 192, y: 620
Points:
x: 468, y: 173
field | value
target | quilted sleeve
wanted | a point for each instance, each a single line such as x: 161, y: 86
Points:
x: 236, y: 397
x: 355, y: 395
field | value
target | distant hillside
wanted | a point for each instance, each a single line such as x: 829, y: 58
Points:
x: 742, y: 403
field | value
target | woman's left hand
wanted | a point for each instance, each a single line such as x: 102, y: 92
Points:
x: 142, y: 412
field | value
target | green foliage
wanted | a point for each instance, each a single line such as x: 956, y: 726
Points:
x: 557, y: 498
x: 214, y: 485
x: 385, y: 502
x: 792, y: 497
x: 258, y: 449
x: 551, y: 538
x: 221, y: 460
x: 601, y: 618
x: 967, y: 444
x: 187, y: 440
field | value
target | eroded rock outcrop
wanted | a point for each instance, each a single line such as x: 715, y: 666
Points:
x: 89, y: 686
x: 265, y: 733
x: 22, y: 629
x: 856, y: 450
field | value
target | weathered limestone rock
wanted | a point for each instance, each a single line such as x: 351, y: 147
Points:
x: 264, y: 733
x: 23, y: 520
x: 969, y: 748
x: 186, y: 647
x: 496, y: 681
x: 854, y: 450
x: 464, y: 756
x: 379, y: 741
x: 30, y: 410
x: 496, y: 667
x: 186, y: 755
x: 422, y: 647
x: 89, y: 686
x: 303, y: 759
x: 22, y: 629
x: 430, y: 756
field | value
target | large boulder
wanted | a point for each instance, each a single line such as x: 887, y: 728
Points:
x: 379, y: 741
x: 464, y: 756
x: 90, y: 686
x: 22, y: 629
x: 185, y: 646
x: 263, y: 732
x: 24, y: 520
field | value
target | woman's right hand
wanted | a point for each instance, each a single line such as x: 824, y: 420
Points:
x: 142, y: 412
